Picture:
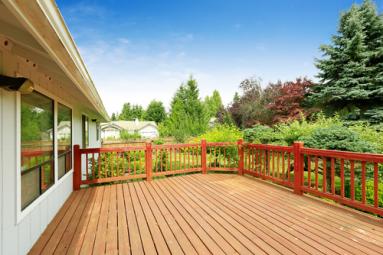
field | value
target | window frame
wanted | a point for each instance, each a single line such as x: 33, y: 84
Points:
x: 85, y: 132
x: 22, y: 213
x: 71, y: 137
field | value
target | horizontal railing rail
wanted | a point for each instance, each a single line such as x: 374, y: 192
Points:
x: 346, y: 177
x: 353, y: 179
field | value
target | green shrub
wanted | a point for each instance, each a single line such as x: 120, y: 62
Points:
x: 125, y: 135
x: 220, y: 133
x: 370, y: 134
x: 369, y: 192
x: 259, y: 134
x: 288, y: 133
x: 337, y: 138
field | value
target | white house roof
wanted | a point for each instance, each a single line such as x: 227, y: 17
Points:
x: 129, y: 125
x: 39, y: 27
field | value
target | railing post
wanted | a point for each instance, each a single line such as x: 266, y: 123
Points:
x: 298, y: 168
x: 203, y: 156
x: 148, y: 161
x: 241, y: 156
x: 76, y: 167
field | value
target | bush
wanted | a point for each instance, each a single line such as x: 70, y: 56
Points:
x: 370, y: 134
x: 220, y: 133
x: 259, y: 134
x: 125, y: 135
x: 337, y: 138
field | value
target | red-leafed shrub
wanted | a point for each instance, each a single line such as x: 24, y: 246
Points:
x: 286, y: 103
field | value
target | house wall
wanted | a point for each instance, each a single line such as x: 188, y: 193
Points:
x: 110, y: 132
x: 149, y: 132
x: 20, y: 230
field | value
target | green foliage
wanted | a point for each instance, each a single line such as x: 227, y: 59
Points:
x: 125, y: 135
x: 322, y: 133
x: 369, y: 133
x: 351, y: 71
x: 220, y: 133
x: 131, y: 112
x: 259, y: 134
x: 278, y: 102
x: 337, y: 138
x: 187, y: 115
x: 155, y: 112
x: 213, y: 104
x: 114, y: 117
x: 158, y: 141
x: 369, y: 192
x: 297, y: 129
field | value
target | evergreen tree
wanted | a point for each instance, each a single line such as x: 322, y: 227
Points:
x: 155, y: 112
x: 187, y: 115
x: 131, y: 112
x: 351, y: 72
x: 213, y: 104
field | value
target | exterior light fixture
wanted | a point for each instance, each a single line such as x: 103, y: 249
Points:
x: 21, y: 84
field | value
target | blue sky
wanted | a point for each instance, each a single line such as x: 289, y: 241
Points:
x: 139, y: 50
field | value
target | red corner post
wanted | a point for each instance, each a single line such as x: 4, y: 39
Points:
x: 148, y: 163
x: 76, y: 167
x: 203, y: 156
x: 241, y: 156
x: 298, y: 168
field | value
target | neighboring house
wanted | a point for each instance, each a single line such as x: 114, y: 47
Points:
x: 64, y: 129
x: 42, y: 80
x: 113, y: 129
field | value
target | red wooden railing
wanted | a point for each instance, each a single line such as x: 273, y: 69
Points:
x: 345, y: 177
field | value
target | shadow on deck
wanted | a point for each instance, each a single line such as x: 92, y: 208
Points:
x: 203, y: 214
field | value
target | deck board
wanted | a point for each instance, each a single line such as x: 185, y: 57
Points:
x: 202, y: 214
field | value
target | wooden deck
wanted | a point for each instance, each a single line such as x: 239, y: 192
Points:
x: 203, y: 214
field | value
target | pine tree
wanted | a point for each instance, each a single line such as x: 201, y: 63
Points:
x: 187, y: 115
x: 213, y: 104
x: 351, y: 72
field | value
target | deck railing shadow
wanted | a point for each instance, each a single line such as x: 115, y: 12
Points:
x: 352, y: 179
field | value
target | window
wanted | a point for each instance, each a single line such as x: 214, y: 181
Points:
x: 98, y: 130
x: 64, y: 139
x: 37, y: 136
x: 85, y: 131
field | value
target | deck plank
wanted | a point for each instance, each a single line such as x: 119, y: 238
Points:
x: 122, y: 229
x: 74, y: 223
x: 146, y: 236
x: 44, y: 238
x: 205, y: 232
x: 190, y: 243
x: 328, y: 242
x: 205, y: 214
x: 240, y: 243
x: 112, y: 233
x: 91, y: 231
x: 100, y: 239
x: 166, y: 230
x: 231, y: 216
x: 310, y: 221
x: 78, y: 237
x: 134, y: 234
x: 59, y: 231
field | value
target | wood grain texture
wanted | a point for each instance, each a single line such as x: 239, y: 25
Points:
x: 206, y: 214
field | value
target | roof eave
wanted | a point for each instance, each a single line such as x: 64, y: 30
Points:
x: 59, y: 43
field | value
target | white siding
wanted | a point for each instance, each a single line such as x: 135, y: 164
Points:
x: 18, y: 237
x: 149, y: 132
x: 18, y: 234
